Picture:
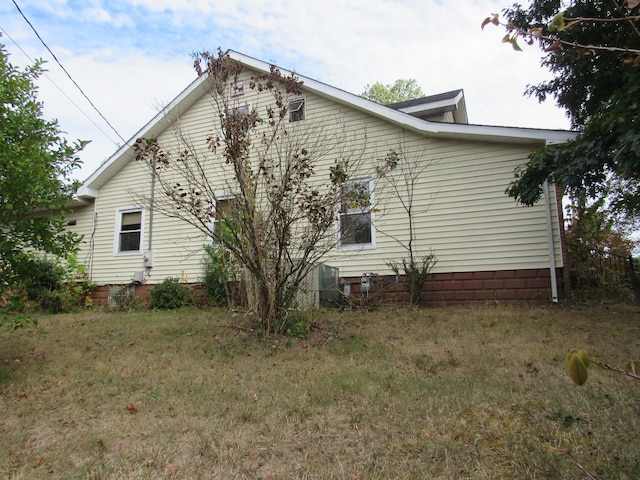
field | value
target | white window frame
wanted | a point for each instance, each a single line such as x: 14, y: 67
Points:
x: 237, y: 88
x: 242, y: 108
x: 303, y: 106
x: 218, y: 198
x: 360, y: 211
x: 118, y: 230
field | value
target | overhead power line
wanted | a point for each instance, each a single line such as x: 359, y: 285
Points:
x: 68, y: 74
x: 60, y: 89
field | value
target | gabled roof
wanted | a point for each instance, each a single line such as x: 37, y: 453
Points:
x: 401, y: 117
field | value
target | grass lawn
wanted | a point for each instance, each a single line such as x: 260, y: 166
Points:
x: 441, y: 393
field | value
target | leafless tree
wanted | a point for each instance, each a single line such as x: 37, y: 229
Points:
x: 402, y: 174
x: 265, y: 188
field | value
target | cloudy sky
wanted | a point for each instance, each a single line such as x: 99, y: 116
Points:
x: 131, y: 57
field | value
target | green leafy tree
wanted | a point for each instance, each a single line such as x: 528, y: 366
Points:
x: 593, y: 235
x: 401, y: 90
x: 592, y: 226
x: 36, y: 164
x: 593, y: 50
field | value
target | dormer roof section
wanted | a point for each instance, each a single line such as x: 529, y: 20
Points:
x: 436, y: 107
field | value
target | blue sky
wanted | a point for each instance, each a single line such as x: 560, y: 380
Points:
x: 132, y: 57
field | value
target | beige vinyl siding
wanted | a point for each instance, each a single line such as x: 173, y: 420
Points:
x: 176, y: 246
x: 463, y: 214
x: 82, y: 218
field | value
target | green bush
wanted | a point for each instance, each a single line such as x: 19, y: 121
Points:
x: 170, y: 294
x: 52, y: 284
x: 217, y: 271
x: 43, y: 276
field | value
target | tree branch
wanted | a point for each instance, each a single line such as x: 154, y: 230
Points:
x: 606, y: 366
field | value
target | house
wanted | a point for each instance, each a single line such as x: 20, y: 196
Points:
x: 487, y: 247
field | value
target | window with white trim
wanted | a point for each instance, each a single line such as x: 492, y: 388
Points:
x: 129, y: 222
x: 296, y: 110
x: 238, y: 116
x: 244, y: 109
x: 356, y: 227
x: 222, y: 206
x: 237, y: 88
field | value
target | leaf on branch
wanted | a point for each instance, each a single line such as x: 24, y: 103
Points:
x: 555, y: 47
x: 536, y: 32
x: 557, y: 23
x: 578, y: 362
x: 493, y: 19
x: 513, y: 40
x: 514, y: 44
x: 572, y: 24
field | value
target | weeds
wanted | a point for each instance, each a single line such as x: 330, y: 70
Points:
x: 438, y: 394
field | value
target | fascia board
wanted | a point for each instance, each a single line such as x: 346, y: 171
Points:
x: 194, y: 91
x: 448, y: 130
x: 442, y: 105
x: 154, y: 127
x: 85, y: 193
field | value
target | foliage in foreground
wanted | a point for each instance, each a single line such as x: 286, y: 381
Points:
x: 282, y: 180
x: 456, y: 393
x: 36, y: 164
x: 46, y: 284
x: 592, y: 48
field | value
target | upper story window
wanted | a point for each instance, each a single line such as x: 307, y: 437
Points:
x: 129, y: 222
x: 237, y: 88
x: 240, y: 110
x: 239, y: 117
x: 296, y: 110
x: 357, y: 228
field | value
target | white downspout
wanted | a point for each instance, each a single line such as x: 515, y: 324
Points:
x: 92, y: 239
x: 552, y: 251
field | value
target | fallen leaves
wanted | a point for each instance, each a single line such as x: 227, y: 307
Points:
x: 131, y: 408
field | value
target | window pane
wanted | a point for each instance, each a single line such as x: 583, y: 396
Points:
x: 356, y: 229
x: 296, y: 110
x: 222, y: 208
x: 130, y: 231
x: 131, y: 218
x: 356, y: 198
x: 130, y: 241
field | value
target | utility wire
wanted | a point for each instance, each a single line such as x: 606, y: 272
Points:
x: 68, y: 75
x: 60, y: 89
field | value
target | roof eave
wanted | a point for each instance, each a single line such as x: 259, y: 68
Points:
x: 193, y: 92
x: 151, y: 129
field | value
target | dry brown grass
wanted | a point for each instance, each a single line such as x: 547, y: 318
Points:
x: 476, y: 392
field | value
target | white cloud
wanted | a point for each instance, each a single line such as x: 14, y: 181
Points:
x: 137, y: 54
x: 100, y: 15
